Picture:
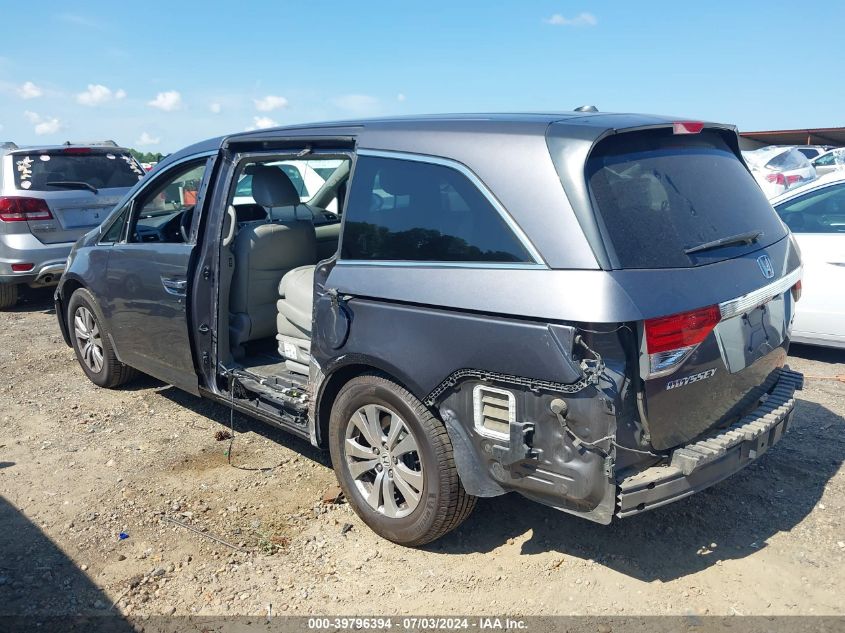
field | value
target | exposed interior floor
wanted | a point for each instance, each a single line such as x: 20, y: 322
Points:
x: 262, y: 358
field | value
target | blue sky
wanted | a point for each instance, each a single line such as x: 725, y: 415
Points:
x: 158, y: 76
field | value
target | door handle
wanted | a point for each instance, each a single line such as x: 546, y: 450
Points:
x: 175, y: 286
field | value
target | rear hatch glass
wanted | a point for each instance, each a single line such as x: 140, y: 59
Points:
x: 660, y: 196
x: 79, y: 186
x: 79, y: 168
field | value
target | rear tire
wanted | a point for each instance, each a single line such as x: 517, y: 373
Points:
x: 393, y: 460
x: 8, y: 295
x: 91, y: 343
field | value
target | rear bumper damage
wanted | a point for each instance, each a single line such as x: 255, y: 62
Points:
x: 715, y: 456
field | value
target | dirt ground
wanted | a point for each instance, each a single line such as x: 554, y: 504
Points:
x: 80, y: 466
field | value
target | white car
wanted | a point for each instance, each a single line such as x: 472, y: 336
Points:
x: 813, y: 151
x: 777, y: 168
x: 830, y: 161
x: 815, y: 213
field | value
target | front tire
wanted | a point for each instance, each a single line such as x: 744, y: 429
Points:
x: 8, y: 295
x: 93, y: 348
x: 393, y: 460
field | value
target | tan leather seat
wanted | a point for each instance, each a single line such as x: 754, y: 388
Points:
x: 264, y: 252
x: 294, y: 319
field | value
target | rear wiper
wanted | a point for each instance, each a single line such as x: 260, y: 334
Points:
x: 741, y: 238
x: 72, y: 184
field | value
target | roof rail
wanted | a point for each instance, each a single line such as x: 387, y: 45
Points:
x: 586, y: 108
x: 8, y: 145
x: 106, y: 143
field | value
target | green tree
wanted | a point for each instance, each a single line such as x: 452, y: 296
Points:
x: 146, y: 157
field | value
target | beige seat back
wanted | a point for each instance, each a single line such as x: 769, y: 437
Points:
x: 263, y: 253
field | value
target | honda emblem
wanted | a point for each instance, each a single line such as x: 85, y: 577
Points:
x: 766, y: 266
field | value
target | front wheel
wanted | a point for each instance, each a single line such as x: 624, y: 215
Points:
x: 8, y: 295
x: 93, y: 349
x: 393, y: 459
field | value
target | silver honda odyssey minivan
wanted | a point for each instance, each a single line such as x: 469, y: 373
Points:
x: 592, y: 310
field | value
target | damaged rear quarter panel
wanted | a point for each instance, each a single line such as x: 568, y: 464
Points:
x: 423, y: 347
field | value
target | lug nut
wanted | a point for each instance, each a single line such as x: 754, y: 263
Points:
x: 379, y: 468
x: 390, y: 473
x: 375, y: 451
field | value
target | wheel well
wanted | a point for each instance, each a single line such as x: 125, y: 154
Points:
x: 68, y: 288
x: 334, y: 384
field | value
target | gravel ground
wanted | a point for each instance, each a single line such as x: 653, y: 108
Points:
x: 81, y: 466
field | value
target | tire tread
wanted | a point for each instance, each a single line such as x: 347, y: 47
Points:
x: 8, y: 295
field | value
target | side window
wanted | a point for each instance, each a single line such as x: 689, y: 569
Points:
x: 164, y: 212
x: 408, y: 210
x: 115, y: 231
x: 311, y: 179
x: 822, y: 211
x: 827, y: 159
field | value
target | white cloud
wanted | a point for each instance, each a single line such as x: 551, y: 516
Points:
x: 29, y: 90
x: 167, y: 101
x: 43, y: 125
x: 400, y: 97
x: 146, y: 139
x: 270, y: 103
x: 215, y: 107
x: 357, y: 104
x: 261, y: 122
x: 98, y: 94
x: 582, y: 19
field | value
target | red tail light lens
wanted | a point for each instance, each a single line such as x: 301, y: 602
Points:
x: 684, y: 329
x: 77, y: 150
x: 687, y: 127
x: 14, y: 209
x: 796, y: 290
x: 778, y: 179
x: 791, y: 180
x: 22, y: 268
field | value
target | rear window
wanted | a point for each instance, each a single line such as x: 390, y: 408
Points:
x: 101, y: 170
x: 790, y: 159
x: 659, y: 194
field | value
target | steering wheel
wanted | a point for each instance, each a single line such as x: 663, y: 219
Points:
x: 185, y: 223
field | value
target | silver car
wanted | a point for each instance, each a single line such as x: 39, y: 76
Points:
x: 49, y: 197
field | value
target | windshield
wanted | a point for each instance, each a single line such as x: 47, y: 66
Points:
x: 660, y: 194
x: 81, y: 167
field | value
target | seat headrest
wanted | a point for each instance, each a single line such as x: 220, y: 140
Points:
x: 271, y: 187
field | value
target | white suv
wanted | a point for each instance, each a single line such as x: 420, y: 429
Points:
x: 49, y: 197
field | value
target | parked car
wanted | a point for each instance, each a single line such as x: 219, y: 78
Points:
x: 830, y: 161
x: 49, y: 197
x: 777, y: 169
x: 813, y: 151
x: 595, y: 330
x: 815, y: 213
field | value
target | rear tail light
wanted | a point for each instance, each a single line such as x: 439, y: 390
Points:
x: 77, y: 150
x: 778, y: 179
x: 671, y: 339
x: 14, y: 209
x: 22, y: 268
x: 796, y: 290
x: 792, y: 179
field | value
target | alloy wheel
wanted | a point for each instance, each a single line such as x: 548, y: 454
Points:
x: 88, y: 339
x: 382, y: 456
